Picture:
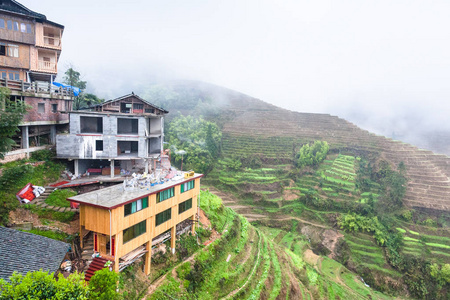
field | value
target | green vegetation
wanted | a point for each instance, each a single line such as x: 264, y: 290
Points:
x: 199, y: 139
x: 312, y: 155
x: 58, y: 198
x: 42, y: 285
x: 11, y: 114
x: 16, y: 175
x: 56, y: 235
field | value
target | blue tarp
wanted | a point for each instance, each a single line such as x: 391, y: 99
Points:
x: 76, y: 91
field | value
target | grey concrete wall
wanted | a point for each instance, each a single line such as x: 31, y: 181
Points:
x: 75, y: 144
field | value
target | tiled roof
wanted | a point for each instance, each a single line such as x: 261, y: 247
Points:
x: 16, y: 7
x: 23, y: 252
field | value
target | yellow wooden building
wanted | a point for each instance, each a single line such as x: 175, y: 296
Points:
x: 125, y: 219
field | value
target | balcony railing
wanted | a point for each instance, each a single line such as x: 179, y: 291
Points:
x: 35, y: 87
x: 52, y: 41
x: 47, y: 66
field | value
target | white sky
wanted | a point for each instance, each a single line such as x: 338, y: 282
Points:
x: 382, y: 64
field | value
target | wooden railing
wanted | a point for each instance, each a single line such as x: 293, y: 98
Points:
x: 52, y: 41
x: 47, y: 66
x: 35, y: 87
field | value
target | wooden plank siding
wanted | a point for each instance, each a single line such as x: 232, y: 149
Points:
x: 97, y: 219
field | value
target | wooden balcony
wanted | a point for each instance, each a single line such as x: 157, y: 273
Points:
x: 47, y: 66
x: 50, y: 41
x: 35, y: 87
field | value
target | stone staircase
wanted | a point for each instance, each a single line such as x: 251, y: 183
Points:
x: 40, y: 201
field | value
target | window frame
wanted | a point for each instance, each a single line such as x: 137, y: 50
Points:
x: 9, y: 24
x: 16, y: 26
x: 138, y: 205
x: 170, y: 191
x: 41, y: 105
x: 54, y: 108
x: 163, y: 217
x: 136, y: 231
x: 182, y: 206
x: 98, y: 145
x: 187, y: 185
x: 2, y: 23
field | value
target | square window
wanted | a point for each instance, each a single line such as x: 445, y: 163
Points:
x: 28, y: 28
x: 3, y: 74
x: 9, y: 23
x: 54, y: 108
x: 2, y: 23
x: 41, y: 108
x: 16, y: 26
x: 98, y: 145
x: 23, y: 28
x: 11, y: 76
x: 16, y: 76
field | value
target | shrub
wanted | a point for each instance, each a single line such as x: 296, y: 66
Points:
x: 43, y: 155
x: 103, y: 285
x: 42, y: 285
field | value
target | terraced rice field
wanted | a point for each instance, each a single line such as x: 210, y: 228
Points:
x: 366, y: 252
x: 418, y: 244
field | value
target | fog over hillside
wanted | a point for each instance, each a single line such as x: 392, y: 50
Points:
x: 384, y: 65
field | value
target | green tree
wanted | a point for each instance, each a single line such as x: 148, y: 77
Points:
x: 199, y: 138
x: 103, y: 285
x: 73, y: 78
x: 11, y: 115
x: 312, y: 155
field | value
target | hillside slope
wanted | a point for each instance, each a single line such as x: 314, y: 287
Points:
x: 249, y: 125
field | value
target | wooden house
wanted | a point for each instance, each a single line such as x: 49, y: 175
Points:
x: 130, y: 221
x: 30, y: 47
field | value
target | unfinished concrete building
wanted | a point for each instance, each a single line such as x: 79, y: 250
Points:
x: 122, y: 134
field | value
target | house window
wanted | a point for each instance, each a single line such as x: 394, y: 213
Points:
x: 136, y: 206
x: 12, y: 50
x: 164, y: 195
x: 23, y: 28
x: 138, y: 106
x: 16, y: 26
x: 126, y: 126
x: 187, y: 186
x: 2, y: 49
x: 99, y: 145
x: 3, y: 74
x: 134, y: 231
x: 13, y: 75
x: 184, y: 206
x: 163, y: 217
x: 28, y: 28
x: 91, y: 124
x: 54, y: 108
x: 2, y: 23
x: 9, y: 23
x: 41, y: 108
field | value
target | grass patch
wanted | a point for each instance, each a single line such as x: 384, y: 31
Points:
x: 414, y: 232
x: 55, y: 235
x: 401, y: 230
x: 407, y: 238
x: 58, y: 198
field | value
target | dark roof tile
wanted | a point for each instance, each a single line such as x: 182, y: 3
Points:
x: 24, y: 252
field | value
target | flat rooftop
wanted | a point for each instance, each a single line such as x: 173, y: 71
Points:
x: 115, y: 196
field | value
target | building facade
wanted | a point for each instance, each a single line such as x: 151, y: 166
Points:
x: 124, y: 221
x: 116, y: 135
x: 30, y: 46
